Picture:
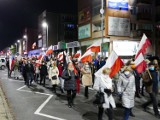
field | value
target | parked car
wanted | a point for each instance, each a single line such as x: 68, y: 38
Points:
x: 2, y: 63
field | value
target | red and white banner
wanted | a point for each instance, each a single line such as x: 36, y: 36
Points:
x: 95, y: 47
x: 140, y: 63
x: 50, y: 50
x: 86, y: 57
x: 143, y: 45
x: 114, y: 62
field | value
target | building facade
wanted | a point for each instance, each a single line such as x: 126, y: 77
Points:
x: 124, y: 22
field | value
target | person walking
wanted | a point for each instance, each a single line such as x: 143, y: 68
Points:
x: 70, y: 84
x: 104, y: 84
x: 54, y: 72
x: 16, y: 69
x: 8, y: 68
x: 126, y: 87
x: 43, y: 73
x: 86, y: 78
x: 60, y: 68
x: 37, y: 71
x: 24, y: 74
x: 150, y: 79
x: 30, y: 72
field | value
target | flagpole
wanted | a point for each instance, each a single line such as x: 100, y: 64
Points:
x: 102, y: 13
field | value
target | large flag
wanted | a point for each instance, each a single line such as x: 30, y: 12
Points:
x: 86, y: 57
x: 114, y: 62
x: 140, y: 63
x: 77, y: 55
x: 50, y: 50
x: 11, y: 62
x: 60, y: 56
x: 95, y: 47
x: 143, y: 45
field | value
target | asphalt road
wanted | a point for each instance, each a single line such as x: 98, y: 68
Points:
x: 39, y: 103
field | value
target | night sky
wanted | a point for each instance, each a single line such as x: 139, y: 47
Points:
x: 15, y: 15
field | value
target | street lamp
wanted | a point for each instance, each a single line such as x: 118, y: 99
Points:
x: 18, y: 41
x: 25, y: 36
x: 102, y: 13
x: 45, y: 25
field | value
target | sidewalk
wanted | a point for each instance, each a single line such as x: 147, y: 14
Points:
x: 5, y: 112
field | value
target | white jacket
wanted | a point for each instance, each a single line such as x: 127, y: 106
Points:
x: 104, y: 82
x: 129, y: 93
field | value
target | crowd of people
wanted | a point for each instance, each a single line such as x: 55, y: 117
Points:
x: 125, y: 84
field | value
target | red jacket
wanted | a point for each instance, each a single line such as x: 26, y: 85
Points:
x: 60, y: 70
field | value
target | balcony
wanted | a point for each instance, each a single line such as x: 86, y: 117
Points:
x: 144, y: 2
x: 144, y: 17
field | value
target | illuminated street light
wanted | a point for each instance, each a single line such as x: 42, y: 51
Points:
x: 25, y: 36
x: 44, y: 25
x: 18, y: 41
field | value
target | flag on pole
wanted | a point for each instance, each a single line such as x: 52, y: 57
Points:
x: 77, y: 55
x: 95, y: 47
x: 86, y: 57
x: 50, y: 50
x: 143, y: 45
x: 114, y: 62
x: 140, y: 63
x: 11, y: 62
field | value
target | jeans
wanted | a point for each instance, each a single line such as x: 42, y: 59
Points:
x: 61, y: 82
x: 71, y: 94
x: 127, y: 112
x: 109, y: 112
x: 30, y: 78
x: 153, y: 100
x: 36, y: 77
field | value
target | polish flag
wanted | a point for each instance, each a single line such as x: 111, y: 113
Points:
x: 114, y: 62
x: 77, y: 55
x: 95, y: 47
x: 39, y: 57
x: 140, y: 63
x: 60, y: 56
x: 143, y: 45
x: 50, y: 50
x: 86, y: 57
x: 11, y: 62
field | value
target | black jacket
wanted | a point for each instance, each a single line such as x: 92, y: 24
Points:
x: 29, y: 68
x: 43, y: 70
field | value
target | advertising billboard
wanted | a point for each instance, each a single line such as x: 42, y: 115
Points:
x: 118, y: 4
x: 84, y: 31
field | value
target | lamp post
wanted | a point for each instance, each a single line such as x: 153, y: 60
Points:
x: 45, y: 25
x: 102, y: 17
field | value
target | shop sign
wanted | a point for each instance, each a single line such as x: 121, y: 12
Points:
x: 72, y: 44
x: 61, y: 45
x: 105, y: 47
x: 118, y: 4
x: 118, y: 26
x: 84, y: 31
x: 55, y: 47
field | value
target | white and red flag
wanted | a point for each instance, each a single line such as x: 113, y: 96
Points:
x: 86, y: 57
x: 77, y: 55
x: 95, y: 47
x: 140, y: 63
x: 114, y: 62
x: 143, y: 45
x: 50, y: 50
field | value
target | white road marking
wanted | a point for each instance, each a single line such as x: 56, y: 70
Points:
x: 37, y: 112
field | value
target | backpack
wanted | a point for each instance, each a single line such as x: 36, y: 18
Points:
x: 146, y: 78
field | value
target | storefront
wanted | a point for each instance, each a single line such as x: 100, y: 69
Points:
x: 73, y: 47
x: 35, y: 52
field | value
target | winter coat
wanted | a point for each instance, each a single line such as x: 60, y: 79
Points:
x: 29, y: 68
x: 154, y: 75
x: 54, y: 72
x: 70, y: 80
x: 87, y: 76
x: 43, y: 70
x: 99, y: 83
x: 129, y: 94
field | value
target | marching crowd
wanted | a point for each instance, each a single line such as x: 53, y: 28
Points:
x: 125, y: 84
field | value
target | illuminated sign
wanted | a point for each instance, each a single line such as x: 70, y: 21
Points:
x: 118, y: 4
x: 84, y: 31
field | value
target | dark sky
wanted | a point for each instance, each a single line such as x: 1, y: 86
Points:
x: 15, y: 15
